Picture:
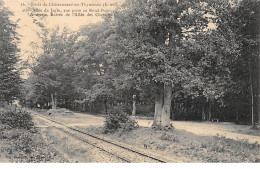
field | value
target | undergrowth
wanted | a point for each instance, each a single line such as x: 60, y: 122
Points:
x: 19, y: 139
x: 16, y: 118
x: 212, y: 149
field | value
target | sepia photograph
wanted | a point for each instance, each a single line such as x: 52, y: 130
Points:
x: 130, y: 81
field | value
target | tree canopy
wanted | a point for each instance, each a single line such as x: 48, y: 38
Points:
x: 9, y: 75
x: 185, y: 60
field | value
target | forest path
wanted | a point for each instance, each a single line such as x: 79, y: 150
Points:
x: 231, y: 131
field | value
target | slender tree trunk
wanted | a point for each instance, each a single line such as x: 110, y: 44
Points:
x: 198, y: 111
x: 182, y: 108
x: 258, y: 102
x: 134, y: 106
x: 52, y: 101
x: 213, y: 113
x: 203, y: 114
x: 237, y: 119
x: 210, y: 110
x: 55, y: 100
x: 81, y: 106
x: 251, y: 93
x: 188, y: 109
x: 105, y: 102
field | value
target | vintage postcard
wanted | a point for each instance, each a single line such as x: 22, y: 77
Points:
x: 129, y: 81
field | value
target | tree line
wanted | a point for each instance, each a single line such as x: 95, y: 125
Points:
x: 183, y: 60
x: 10, y: 80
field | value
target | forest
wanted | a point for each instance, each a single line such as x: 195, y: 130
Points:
x: 195, y: 60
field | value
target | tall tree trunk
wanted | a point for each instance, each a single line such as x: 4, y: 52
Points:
x: 237, y: 119
x: 52, y: 101
x: 163, y: 107
x: 258, y: 103
x: 188, y: 109
x: 55, y: 100
x: 251, y: 93
x: 105, y: 102
x: 158, y: 106
x: 83, y: 106
x: 134, y: 105
x: 203, y: 114
x: 166, y: 110
x: 213, y: 113
x: 210, y: 110
x: 198, y: 111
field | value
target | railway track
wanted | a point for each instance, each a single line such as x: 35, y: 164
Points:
x: 123, y: 152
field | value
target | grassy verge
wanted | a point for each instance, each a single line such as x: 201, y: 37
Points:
x: 184, y: 144
x: 20, y: 141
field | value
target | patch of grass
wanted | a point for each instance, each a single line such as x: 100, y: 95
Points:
x: 185, y: 144
x: 215, y: 149
x: 169, y: 137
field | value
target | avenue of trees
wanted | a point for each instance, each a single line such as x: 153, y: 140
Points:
x: 9, y: 75
x: 183, y: 60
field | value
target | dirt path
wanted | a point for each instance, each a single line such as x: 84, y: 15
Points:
x: 228, y: 130
x: 211, y: 129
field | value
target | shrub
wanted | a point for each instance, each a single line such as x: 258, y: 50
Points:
x: 16, y: 118
x: 117, y: 119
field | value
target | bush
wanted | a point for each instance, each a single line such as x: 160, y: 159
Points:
x: 16, y: 118
x: 117, y: 119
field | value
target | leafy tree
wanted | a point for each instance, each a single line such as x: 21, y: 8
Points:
x: 195, y: 57
x: 9, y: 75
x: 246, y: 71
x: 148, y: 36
x: 226, y: 80
x: 52, y: 77
x: 92, y: 79
x: 212, y: 53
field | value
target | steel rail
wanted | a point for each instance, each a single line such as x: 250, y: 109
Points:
x: 101, y: 139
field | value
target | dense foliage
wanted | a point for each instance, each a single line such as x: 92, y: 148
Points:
x: 190, y: 59
x: 16, y: 118
x: 9, y: 76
